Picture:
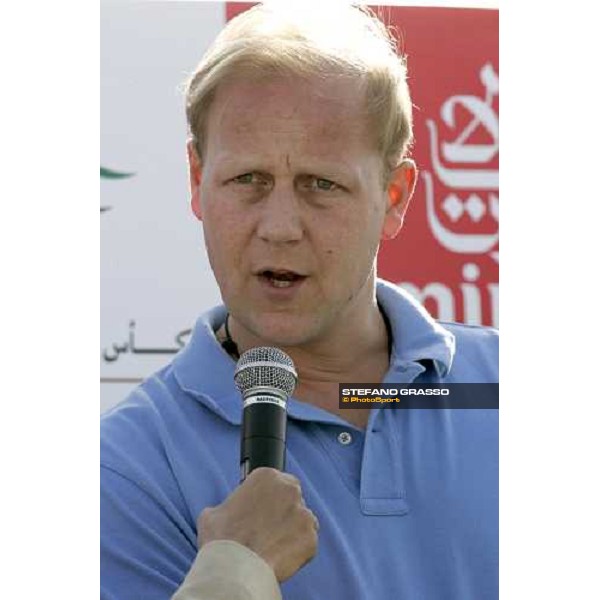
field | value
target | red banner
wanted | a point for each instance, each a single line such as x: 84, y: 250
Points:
x: 447, y: 253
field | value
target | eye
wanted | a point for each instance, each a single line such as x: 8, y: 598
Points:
x: 325, y: 184
x: 320, y: 184
x: 252, y: 180
x: 244, y: 179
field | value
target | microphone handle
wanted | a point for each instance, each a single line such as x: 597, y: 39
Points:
x: 263, y: 437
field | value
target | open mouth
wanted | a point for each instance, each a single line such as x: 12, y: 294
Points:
x: 281, y: 279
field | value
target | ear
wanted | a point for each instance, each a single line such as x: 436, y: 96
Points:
x: 399, y: 192
x: 195, y: 173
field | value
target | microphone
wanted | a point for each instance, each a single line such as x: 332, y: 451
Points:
x: 266, y: 377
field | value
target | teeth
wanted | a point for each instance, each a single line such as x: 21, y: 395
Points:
x: 279, y: 283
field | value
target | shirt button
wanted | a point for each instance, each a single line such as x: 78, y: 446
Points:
x: 344, y: 438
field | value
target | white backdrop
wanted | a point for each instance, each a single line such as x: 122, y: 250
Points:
x: 154, y: 268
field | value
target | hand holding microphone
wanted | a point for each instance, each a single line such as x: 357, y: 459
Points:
x: 267, y: 512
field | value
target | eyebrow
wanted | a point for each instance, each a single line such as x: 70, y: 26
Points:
x: 312, y: 166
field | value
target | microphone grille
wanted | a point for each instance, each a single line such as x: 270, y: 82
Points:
x: 265, y: 367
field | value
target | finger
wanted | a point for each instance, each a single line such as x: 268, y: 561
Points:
x: 315, y: 519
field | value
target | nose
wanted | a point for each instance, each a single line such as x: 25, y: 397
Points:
x: 280, y: 220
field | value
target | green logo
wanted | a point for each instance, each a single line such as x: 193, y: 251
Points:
x: 111, y: 174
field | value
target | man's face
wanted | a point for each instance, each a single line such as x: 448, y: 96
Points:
x: 293, y: 205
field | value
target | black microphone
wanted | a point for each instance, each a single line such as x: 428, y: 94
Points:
x: 266, y: 377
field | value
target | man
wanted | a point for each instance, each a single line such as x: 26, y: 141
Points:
x: 300, y: 130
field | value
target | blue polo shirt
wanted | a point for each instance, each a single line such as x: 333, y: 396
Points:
x: 408, y: 507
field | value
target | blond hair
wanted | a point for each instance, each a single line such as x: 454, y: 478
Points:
x: 278, y: 40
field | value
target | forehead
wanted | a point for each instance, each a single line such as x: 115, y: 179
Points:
x: 314, y: 113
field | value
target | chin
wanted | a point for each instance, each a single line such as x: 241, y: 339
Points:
x: 284, y: 330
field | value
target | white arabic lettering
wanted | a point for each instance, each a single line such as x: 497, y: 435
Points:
x: 447, y: 154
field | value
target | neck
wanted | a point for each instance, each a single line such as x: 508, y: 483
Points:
x: 354, y: 349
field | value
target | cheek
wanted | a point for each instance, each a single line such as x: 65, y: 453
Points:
x: 220, y: 244
x: 226, y: 239
x: 217, y: 220
x: 348, y: 241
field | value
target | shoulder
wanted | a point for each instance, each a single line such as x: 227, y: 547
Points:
x: 132, y: 430
x: 162, y: 435
x: 138, y: 434
x: 476, y: 334
x: 476, y: 352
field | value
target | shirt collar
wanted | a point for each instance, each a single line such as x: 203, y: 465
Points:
x: 205, y: 371
x: 416, y: 336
